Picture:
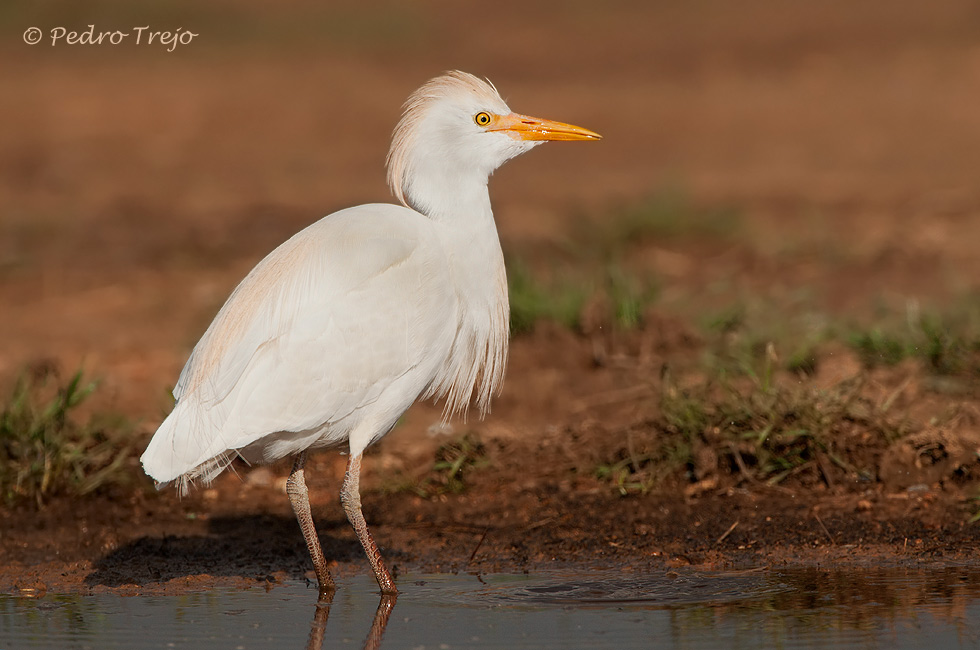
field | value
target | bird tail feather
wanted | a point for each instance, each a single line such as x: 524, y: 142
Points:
x: 178, y: 454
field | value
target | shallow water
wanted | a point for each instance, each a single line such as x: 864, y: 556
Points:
x: 807, y: 608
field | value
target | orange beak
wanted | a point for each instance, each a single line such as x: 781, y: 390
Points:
x: 523, y: 127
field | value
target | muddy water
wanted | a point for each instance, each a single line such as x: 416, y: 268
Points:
x: 806, y: 608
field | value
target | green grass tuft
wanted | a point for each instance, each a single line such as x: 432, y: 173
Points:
x: 630, y: 296
x: 453, y: 461
x: 745, y: 340
x: 533, y: 300
x: 44, y: 451
x: 947, y: 343
x: 763, y: 431
x: 593, y: 263
x: 563, y: 299
x: 877, y: 348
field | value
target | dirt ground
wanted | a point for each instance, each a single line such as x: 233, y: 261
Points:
x: 138, y: 186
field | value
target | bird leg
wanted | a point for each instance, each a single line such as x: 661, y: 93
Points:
x: 299, y: 496
x: 350, y: 497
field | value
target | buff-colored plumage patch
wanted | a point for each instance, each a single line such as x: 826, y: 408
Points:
x: 453, y: 83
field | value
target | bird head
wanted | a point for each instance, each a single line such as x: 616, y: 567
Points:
x: 454, y: 132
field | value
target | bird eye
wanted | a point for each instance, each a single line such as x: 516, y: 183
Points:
x: 482, y: 119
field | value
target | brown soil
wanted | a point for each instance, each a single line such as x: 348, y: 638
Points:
x: 138, y: 189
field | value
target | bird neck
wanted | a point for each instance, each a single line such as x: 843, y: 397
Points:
x: 465, y: 221
x: 474, y: 369
x: 459, y: 206
x: 444, y: 188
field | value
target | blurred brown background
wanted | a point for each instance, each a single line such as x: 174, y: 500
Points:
x: 137, y: 186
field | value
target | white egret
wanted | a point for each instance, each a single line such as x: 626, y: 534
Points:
x: 339, y: 330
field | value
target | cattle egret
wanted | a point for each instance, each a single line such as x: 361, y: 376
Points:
x: 332, y: 337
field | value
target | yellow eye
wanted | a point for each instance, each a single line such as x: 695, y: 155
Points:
x: 482, y: 119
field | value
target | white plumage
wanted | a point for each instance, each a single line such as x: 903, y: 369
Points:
x: 345, y: 306
x: 332, y: 336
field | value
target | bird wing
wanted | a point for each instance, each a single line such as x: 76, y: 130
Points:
x: 314, y: 335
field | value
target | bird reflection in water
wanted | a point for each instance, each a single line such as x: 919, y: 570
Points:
x: 318, y: 630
